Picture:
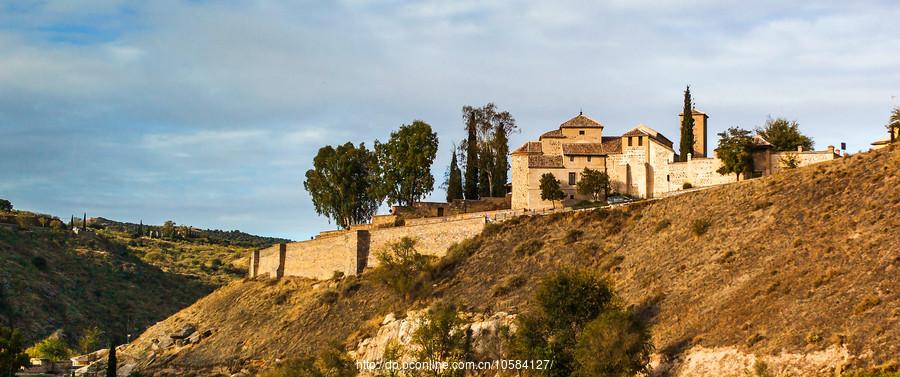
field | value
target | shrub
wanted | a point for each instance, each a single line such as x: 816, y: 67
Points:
x: 508, y: 284
x: 528, y: 247
x: 52, y: 348
x: 441, y: 337
x: 663, y: 224
x: 687, y: 185
x: 40, y: 263
x: 577, y: 304
x: 456, y: 254
x: 491, y: 229
x: 700, y: 226
x: 573, y: 235
x: 5, y: 205
x: 328, y: 297
x: 403, y: 268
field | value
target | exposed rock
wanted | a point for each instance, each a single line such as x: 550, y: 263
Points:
x: 185, y: 331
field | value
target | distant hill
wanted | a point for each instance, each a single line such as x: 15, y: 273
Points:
x: 799, y: 262
x: 109, y: 276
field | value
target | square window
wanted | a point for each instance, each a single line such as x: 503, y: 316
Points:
x: 589, y: 158
x: 572, y: 158
x: 571, y: 196
x: 581, y: 132
x: 571, y: 179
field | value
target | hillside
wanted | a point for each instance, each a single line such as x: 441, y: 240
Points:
x: 794, y: 263
x: 51, y: 278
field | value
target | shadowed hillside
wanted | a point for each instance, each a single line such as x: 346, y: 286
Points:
x: 795, y: 262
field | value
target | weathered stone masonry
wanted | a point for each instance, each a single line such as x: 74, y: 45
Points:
x: 350, y: 252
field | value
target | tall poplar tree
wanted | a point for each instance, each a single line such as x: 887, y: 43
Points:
x: 687, y: 127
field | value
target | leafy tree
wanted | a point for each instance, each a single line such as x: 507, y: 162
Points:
x: 687, y: 127
x: 736, y: 152
x: 594, y: 183
x: 784, y: 135
x: 442, y: 338
x: 471, y: 147
x: 487, y: 147
x: 893, y: 125
x: 790, y: 161
x: 402, y: 267
x: 343, y: 184
x: 550, y: 189
x: 5, y: 205
x: 112, y: 364
x: 577, y: 322
x: 51, y: 348
x: 404, y: 163
x: 90, y: 340
x: 617, y: 343
x: 454, y: 180
x: 168, y: 229
x: 12, y: 356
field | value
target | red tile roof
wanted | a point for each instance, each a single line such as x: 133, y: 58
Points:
x: 542, y: 161
x: 581, y: 121
x: 582, y: 149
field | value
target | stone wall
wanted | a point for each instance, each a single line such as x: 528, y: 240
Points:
x: 349, y: 252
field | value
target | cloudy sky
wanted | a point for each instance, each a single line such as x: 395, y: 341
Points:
x: 209, y: 112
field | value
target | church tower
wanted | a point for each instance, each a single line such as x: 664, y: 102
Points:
x: 700, y: 121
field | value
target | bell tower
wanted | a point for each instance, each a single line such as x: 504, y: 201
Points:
x: 700, y: 125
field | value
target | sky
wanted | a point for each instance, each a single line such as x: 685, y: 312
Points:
x: 208, y: 113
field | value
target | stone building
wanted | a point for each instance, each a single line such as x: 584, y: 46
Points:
x: 640, y: 162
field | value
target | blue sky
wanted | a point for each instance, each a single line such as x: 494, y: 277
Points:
x: 209, y: 112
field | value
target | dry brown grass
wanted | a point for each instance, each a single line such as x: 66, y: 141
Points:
x: 745, y: 281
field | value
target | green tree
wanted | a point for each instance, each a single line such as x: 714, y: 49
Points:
x: 594, y: 183
x: 470, y: 116
x: 343, y: 184
x: 403, y: 268
x: 687, y: 126
x: 90, y: 340
x: 893, y: 125
x: 12, y: 355
x: 404, y: 163
x: 550, y: 189
x: 168, y: 229
x: 441, y: 337
x: 784, y: 135
x: 5, y: 205
x: 503, y: 124
x: 51, y: 348
x: 564, y: 303
x: 454, y: 180
x: 735, y: 151
x: 112, y: 364
x: 617, y: 343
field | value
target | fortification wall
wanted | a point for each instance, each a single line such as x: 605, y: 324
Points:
x: 349, y: 252
x: 803, y: 158
x: 321, y: 258
x: 699, y: 172
x: 431, y: 239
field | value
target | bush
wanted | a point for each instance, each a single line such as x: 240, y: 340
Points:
x: 528, y: 247
x: 700, y: 226
x: 442, y: 338
x: 403, y: 268
x: 328, y: 297
x: 663, y: 224
x: 578, y: 304
x: 573, y: 235
x: 5, y: 205
x: 52, y: 348
x: 456, y: 254
x: 40, y: 263
x: 686, y: 186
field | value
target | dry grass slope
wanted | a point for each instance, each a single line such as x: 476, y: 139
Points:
x: 797, y: 261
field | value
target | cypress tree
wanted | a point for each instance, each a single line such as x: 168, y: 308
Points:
x: 454, y: 182
x: 501, y: 164
x: 141, y: 228
x: 687, y: 127
x: 72, y: 222
x: 111, y: 362
x: 84, y: 222
x: 485, y: 170
x: 471, y: 183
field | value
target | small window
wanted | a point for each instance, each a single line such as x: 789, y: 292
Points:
x: 571, y: 179
x: 629, y: 141
x: 589, y: 158
x: 640, y: 140
x: 572, y: 158
x: 581, y: 132
x: 571, y: 196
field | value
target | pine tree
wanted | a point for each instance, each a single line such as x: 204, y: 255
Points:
x: 111, y: 362
x: 454, y: 182
x: 471, y: 182
x: 687, y: 126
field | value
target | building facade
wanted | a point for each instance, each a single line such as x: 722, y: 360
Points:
x: 640, y: 162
